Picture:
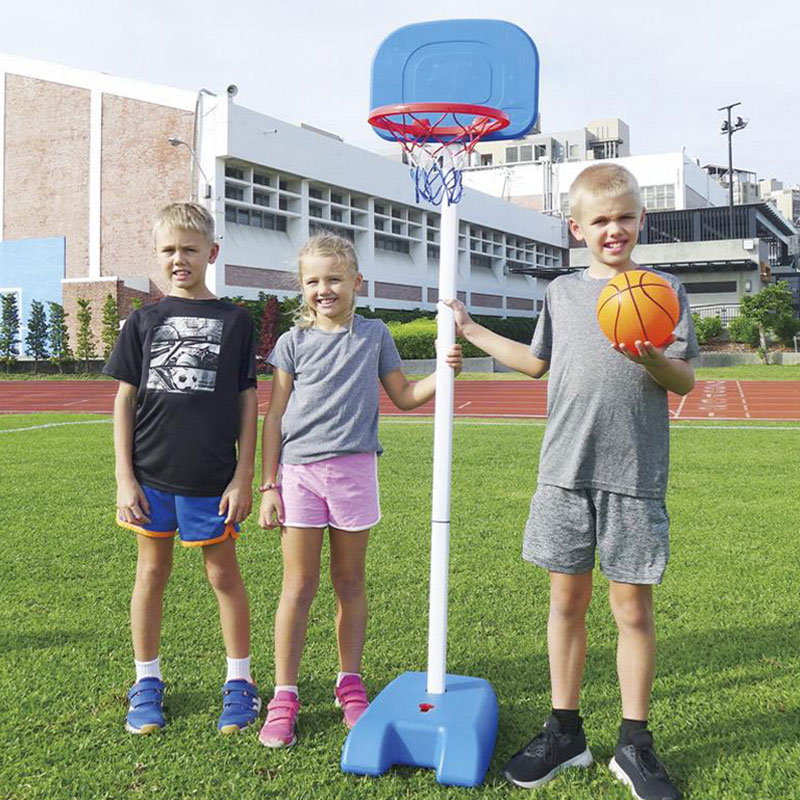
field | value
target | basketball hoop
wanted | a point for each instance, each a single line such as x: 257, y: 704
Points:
x: 438, y: 138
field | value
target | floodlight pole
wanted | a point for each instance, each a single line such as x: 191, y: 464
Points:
x: 442, y: 451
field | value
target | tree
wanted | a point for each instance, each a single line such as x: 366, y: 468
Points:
x: 9, y: 330
x: 270, y: 322
x: 770, y: 309
x: 136, y: 303
x: 110, y: 332
x: 58, y: 334
x: 36, y: 340
x: 85, y: 346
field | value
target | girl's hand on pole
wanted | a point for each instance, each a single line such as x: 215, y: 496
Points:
x: 454, y: 358
x: 460, y: 314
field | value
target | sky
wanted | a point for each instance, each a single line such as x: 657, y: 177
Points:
x: 663, y: 67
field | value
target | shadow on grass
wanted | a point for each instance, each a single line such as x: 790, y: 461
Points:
x: 697, y: 673
x: 40, y: 640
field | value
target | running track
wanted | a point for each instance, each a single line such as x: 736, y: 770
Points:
x: 732, y: 400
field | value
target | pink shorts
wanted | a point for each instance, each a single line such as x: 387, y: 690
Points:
x: 340, y: 492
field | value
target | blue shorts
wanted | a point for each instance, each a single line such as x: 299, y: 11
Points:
x: 196, y: 519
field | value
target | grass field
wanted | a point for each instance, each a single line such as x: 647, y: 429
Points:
x: 727, y: 693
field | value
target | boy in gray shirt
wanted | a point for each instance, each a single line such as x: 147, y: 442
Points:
x: 602, y: 482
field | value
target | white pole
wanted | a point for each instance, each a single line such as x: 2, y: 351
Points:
x: 442, y: 452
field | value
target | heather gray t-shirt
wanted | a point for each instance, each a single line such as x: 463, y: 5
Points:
x: 608, y: 420
x: 333, y: 407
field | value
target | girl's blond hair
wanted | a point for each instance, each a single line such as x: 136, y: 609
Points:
x: 331, y: 245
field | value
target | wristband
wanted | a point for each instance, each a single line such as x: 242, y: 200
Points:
x: 267, y: 486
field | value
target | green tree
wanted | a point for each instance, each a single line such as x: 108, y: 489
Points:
x: 770, y: 309
x: 9, y: 330
x: 110, y: 332
x: 85, y: 346
x: 58, y: 334
x: 36, y: 339
x: 136, y: 303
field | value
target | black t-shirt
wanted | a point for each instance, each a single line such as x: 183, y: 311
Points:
x: 190, y: 359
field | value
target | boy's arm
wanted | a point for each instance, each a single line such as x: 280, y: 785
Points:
x: 132, y: 504
x: 674, y: 374
x: 513, y: 354
x: 407, y: 395
x: 237, y: 499
x: 271, y: 513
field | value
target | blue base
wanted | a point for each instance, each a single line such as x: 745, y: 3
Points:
x: 455, y: 735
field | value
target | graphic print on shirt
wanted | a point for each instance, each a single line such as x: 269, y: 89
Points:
x: 184, y: 354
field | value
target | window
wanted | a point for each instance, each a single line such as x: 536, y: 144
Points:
x: 391, y: 244
x: 433, y: 252
x: 574, y: 151
x: 397, y: 227
x: 314, y: 210
x: 283, y: 203
x: 478, y: 260
x: 234, y: 172
x: 337, y: 198
x: 661, y: 196
x: 315, y: 192
x: 336, y: 214
x: 512, y: 155
x: 539, y: 151
x: 486, y: 159
x: 260, y: 199
x: 378, y: 209
x: 254, y: 218
x: 526, y: 152
x: 261, y: 180
x: 234, y: 192
x: 710, y: 287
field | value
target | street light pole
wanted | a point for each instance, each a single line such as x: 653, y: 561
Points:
x: 177, y: 142
x: 730, y: 128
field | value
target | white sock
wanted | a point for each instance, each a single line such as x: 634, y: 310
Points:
x: 342, y: 675
x: 148, y: 669
x: 239, y: 669
x: 286, y: 688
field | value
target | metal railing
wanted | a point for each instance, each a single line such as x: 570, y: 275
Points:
x: 725, y: 311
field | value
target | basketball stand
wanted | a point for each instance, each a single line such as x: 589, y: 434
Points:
x: 438, y: 89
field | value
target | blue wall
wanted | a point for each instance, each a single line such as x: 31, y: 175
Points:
x: 36, y: 266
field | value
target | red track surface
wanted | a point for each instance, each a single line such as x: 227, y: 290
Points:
x: 754, y: 400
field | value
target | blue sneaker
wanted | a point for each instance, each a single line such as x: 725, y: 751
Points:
x: 145, y: 712
x: 241, y: 705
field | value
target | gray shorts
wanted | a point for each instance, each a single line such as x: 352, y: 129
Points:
x: 630, y: 534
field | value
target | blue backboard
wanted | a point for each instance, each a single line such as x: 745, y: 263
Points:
x: 485, y: 62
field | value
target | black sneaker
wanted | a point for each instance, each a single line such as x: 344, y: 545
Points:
x: 641, y: 770
x: 546, y: 755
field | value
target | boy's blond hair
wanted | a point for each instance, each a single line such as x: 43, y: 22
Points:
x: 186, y: 217
x: 328, y: 244
x: 603, y: 180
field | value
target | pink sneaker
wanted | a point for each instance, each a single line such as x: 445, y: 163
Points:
x: 351, y: 697
x: 278, y: 730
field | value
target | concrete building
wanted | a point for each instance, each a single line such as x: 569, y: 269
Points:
x: 745, y: 182
x: 602, y: 138
x: 669, y: 181
x: 785, y: 198
x: 87, y: 160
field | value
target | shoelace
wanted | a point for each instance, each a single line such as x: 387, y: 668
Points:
x: 542, y: 745
x: 646, y: 757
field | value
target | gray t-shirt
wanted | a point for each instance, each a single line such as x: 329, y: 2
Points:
x: 333, y: 407
x: 608, y: 420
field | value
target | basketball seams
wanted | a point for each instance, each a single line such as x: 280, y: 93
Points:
x: 630, y: 318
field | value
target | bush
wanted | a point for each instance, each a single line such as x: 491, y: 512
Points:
x: 742, y: 330
x: 708, y: 328
x: 786, y: 329
x: 417, y: 339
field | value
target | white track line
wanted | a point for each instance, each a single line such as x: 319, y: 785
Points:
x: 58, y: 425
x: 522, y: 424
x: 744, y: 402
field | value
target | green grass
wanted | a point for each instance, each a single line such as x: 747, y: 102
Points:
x: 726, y: 697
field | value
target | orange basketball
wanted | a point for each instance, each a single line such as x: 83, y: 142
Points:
x: 638, y: 305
